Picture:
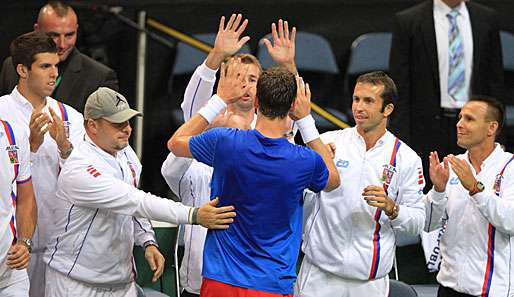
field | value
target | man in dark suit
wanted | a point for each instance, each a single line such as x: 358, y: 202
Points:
x: 79, y: 75
x: 442, y: 52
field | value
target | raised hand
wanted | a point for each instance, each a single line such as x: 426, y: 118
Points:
x: 228, y: 40
x: 282, y: 51
x: 232, y: 84
x: 439, y: 173
x: 213, y: 217
x: 56, y: 129
x: 38, y: 125
x: 302, y: 104
x: 463, y: 171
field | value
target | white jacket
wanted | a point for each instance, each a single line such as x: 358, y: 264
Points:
x: 46, y: 162
x: 97, y: 230
x: 14, y: 169
x: 190, y: 180
x: 479, y: 231
x: 342, y: 236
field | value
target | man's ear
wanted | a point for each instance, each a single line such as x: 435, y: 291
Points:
x: 388, y: 110
x: 493, y: 128
x: 22, y: 70
x: 256, y: 103
x: 36, y: 27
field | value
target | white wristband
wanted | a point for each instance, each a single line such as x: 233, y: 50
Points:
x: 212, y: 108
x: 307, y: 127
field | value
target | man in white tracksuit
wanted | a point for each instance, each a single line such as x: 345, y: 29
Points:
x: 477, y: 196
x: 18, y: 213
x: 51, y: 127
x: 92, y: 252
x: 190, y: 179
x: 349, y: 239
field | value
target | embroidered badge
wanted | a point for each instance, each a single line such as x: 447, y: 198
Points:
x: 498, y: 183
x: 388, y: 173
x: 12, y: 152
x: 66, y: 125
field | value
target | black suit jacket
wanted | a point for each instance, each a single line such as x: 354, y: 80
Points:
x: 81, y: 77
x: 414, y: 67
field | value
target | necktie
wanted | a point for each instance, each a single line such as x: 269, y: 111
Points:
x: 456, y: 71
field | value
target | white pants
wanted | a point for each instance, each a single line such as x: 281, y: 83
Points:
x: 36, y: 271
x: 59, y: 285
x: 315, y: 282
x: 18, y: 289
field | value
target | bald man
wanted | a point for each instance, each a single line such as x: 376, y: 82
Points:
x: 79, y: 75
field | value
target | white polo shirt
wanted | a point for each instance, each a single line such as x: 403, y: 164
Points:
x: 46, y: 161
x: 344, y: 235
x: 14, y: 169
x: 95, y: 234
x: 477, y: 246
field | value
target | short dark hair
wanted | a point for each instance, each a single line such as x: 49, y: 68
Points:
x: 276, y: 92
x: 25, y: 47
x: 389, y: 94
x: 495, y: 109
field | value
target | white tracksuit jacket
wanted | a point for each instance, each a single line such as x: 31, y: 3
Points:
x: 342, y: 235
x: 99, y: 226
x: 477, y: 246
x: 14, y: 169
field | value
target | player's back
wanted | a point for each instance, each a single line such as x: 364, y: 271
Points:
x: 264, y: 179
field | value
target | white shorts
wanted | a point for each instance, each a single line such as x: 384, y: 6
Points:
x: 59, y: 285
x: 17, y: 289
x: 315, y: 282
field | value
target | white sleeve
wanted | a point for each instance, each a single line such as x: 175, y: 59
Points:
x: 173, y: 170
x: 76, y: 129
x: 24, y: 171
x: 499, y: 210
x: 435, y: 207
x: 198, y: 90
x: 102, y: 190
x: 411, y: 217
x: 143, y: 231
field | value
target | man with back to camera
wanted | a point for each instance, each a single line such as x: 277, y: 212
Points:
x: 97, y: 185
x: 190, y: 179
x: 477, y: 196
x: 51, y: 127
x: 349, y: 240
x: 264, y: 176
x: 18, y: 211
x: 79, y: 75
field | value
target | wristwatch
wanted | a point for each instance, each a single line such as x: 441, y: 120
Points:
x: 27, y: 242
x: 395, y: 211
x: 477, y: 188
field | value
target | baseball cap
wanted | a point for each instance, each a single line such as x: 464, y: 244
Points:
x: 110, y: 105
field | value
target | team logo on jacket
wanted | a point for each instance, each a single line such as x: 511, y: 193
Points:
x: 388, y: 173
x: 12, y: 152
x: 498, y: 183
x: 454, y: 180
x: 66, y: 125
x: 92, y: 170
x: 342, y: 163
